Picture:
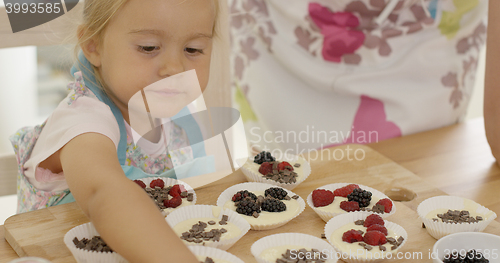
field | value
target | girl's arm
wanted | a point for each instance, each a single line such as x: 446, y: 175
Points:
x: 122, y: 213
x: 492, y: 80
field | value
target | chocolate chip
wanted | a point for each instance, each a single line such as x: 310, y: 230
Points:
x: 184, y: 194
x: 295, y: 197
x: 382, y: 248
x: 96, y: 243
x: 211, y: 222
x: 323, y: 236
x: 423, y: 225
x: 297, y: 165
x: 359, y: 222
x: 255, y: 214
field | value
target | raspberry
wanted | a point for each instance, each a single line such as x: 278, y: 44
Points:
x: 374, y: 238
x: 361, y: 196
x: 175, y: 191
x: 352, y: 236
x: 373, y: 220
x: 266, y: 168
x: 242, y: 195
x: 349, y: 206
x: 263, y: 157
x: 174, y: 202
x: 387, y: 203
x: 322, y: 197
x: 276, y: 192
x: 285, y: 165
x: 157, y: 182
x: 140, y: 183
x: 346, y: 190
x: 378, y: 228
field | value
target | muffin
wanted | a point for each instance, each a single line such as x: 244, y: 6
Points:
x: 364, y: 237
x: 260, y: 209
x: 293, y: 246
x: 206, y: 225
x: 443, y: 215
x: 93, y: 252
x: 167, y: 193
x: 334, y: 199
x: 287, y: 172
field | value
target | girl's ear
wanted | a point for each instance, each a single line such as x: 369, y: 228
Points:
x: 90, y: 48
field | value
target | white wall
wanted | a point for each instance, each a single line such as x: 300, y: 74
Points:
x: 18, y: 92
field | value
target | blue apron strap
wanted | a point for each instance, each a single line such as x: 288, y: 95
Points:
x: 193, y: 132
x: 87, y: 72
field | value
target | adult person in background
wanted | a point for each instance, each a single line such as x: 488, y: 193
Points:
x: 492, y: 81
x: 313, y: 74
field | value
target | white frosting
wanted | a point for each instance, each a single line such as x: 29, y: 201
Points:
x: 216, y: 260
x: 252, y: 166
x: 292, y: 209
x: 354, y: 248
x: 184, y: 226
x: 273, y: 253
x: 469, y: 205
x: 334, y: 207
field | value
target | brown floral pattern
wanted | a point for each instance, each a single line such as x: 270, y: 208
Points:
x: 249, y: 15
x: 468, y: 45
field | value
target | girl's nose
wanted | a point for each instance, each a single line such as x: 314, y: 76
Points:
x: 171, y: 64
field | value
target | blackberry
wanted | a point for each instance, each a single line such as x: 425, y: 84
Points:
x: 263, y: 157
x: 276, y: 192
x: 273, y: 205
x: 247, y: 207
x: 242, y: 195
x: 361, y: 196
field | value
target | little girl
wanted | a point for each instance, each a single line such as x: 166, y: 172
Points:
x: 86, y: 149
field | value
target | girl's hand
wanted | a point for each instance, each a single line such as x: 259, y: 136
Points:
x: 127, y: 219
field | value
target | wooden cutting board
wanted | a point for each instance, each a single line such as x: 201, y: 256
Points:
x: 40, y: 233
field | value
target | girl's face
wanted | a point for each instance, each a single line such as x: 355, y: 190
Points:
x: 148, y: 40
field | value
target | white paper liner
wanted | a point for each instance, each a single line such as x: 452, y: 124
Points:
x: 341, y: 220
x: 255, y: 176
x: 85, y: 256
x: 229, y: 192
x: 440, y: 229
x: 169, y: 182
x: 292, y: 239
x: 332, y: 187
x: 215, y: 254
x: 203, y: 211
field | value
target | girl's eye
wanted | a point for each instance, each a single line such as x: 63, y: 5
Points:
x: 148, y: 49
x: 193, y: 51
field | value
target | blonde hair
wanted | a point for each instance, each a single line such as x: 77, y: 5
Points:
x: 98, y: 13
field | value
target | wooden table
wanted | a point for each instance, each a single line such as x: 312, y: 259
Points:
x: 455, y: 159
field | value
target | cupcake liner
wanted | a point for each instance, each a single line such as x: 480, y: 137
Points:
x: 85, y: 256
x: 169, y: 182
x: 441, y: 229
x: 227, y: 195
x: 292, y: 239
x: 215, y: 254
x: 332, y: 187
x: 255, y: 176
x: 341, y: 220
x: 201, y: 211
